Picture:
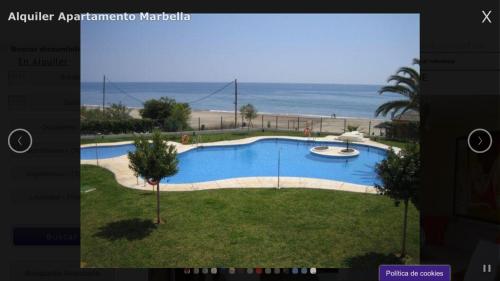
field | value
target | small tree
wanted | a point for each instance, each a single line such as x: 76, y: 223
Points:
x: 154, y: 161
x: 249, y: 112
x: 400, y: 178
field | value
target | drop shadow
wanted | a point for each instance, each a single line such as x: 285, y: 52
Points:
x: 372, y: 260
x: 130, y: 229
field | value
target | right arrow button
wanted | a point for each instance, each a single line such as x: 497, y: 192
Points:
x: 479, y: 140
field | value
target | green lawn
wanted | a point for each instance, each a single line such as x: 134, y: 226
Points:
x: 86, y: 187
x: 212, y: 137
x: 239, y: 228
x: 400, y: 144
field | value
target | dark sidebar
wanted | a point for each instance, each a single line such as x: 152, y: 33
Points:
x: 460, y: 137
x: 40, y: 203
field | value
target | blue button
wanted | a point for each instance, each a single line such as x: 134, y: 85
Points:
x: 46, y: 236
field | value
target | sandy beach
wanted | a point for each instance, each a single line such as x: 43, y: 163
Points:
x: 215, y: 120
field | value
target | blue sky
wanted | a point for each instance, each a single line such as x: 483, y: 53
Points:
x: 297, y: 48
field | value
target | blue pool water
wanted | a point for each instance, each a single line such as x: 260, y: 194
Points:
x: 102, y: 152
x: 261, y: 159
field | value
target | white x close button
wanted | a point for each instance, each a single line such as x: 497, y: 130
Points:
x: 487, y: 16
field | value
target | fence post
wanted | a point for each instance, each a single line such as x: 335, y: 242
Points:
x: 298, y: 123
x: 320, y: 125
x: 276, y: 122
x: 262, y: 121
x: 199, y: 124
x: 345, y: 125
x: 369, y: 128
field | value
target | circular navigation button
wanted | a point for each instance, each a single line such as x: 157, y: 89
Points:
x: 479, y: 140
x: 20, y: 140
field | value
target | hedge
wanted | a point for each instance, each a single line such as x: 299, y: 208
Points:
x: 116, y: 126
x: 403, y: 131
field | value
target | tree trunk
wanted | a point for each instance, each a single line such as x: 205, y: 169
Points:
x: 158, y: 203
x: 405, y: 220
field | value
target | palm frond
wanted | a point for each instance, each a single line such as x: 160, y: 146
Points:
x: 409, y: 82
x: 405, y: 110
x: 406, y: 82
x: 410, y: 72
x: 393, y: 106
x: 397, y: 89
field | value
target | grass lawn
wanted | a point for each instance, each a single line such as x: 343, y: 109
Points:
x: 239, y: 228
x: 86, y: 188
x: 227, y: 136
x: 400, y: 144
x: 212, y: 137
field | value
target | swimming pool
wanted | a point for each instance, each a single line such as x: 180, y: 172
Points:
x: 260, y: 159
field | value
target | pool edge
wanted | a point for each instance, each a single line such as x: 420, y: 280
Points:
x: 124, y: 176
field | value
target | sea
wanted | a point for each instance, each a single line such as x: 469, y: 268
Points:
x: 341, y: 100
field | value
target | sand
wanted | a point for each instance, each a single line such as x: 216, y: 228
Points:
x: 214, y: 120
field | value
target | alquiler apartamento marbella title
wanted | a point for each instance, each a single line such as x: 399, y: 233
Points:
x: 68, y: 17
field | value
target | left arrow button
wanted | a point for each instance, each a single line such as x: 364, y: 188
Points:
x: 20, y: 140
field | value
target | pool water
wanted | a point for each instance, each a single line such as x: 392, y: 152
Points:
x: 103, y: 152
x: 260, y: 159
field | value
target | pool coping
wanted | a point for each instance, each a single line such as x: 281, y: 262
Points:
x: 124, y: 175
x: 335, y: 152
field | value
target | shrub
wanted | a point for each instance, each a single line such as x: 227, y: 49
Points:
x: 113, y: 112
x: 117, y: 112
x: 116, y: 126
x: 351, y: 128
x: 171, y: 116
x: 178, y: 119
x: 157, y: 109
x: 402, y: 131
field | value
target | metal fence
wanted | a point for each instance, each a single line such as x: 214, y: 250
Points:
x: 288, y: 123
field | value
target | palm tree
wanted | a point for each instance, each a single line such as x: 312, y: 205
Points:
x: 407, y: 84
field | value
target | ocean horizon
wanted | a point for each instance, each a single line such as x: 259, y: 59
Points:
x: 313, y: 99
